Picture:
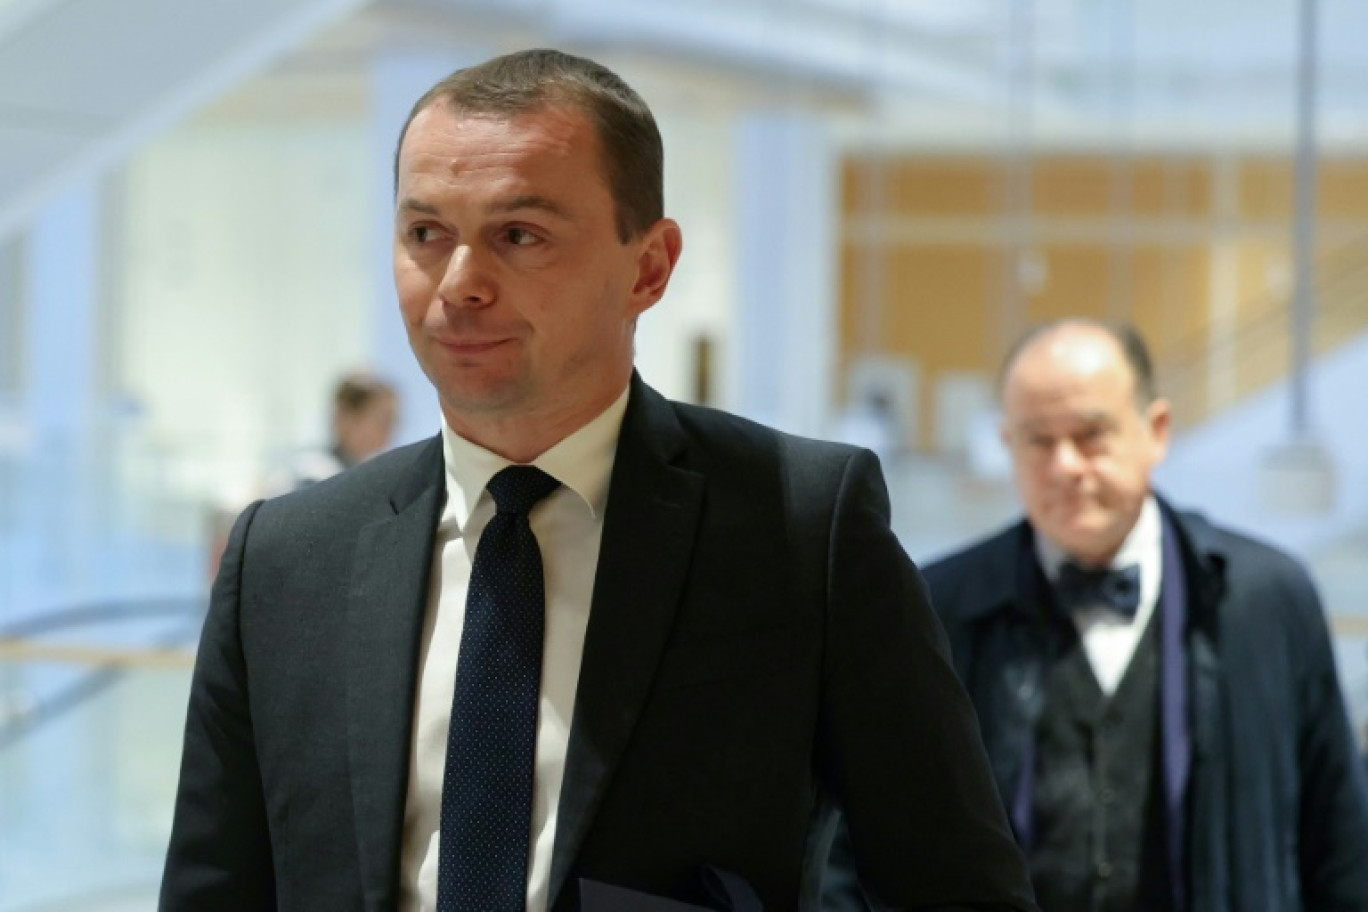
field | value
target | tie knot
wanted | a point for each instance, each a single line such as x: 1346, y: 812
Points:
x: 517, y: 489
x: 1115, y: 588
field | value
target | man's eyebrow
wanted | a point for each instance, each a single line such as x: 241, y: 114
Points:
x: 501, y: 207
x: 409, y: 204
x: 530, y: 201
x: 1086, y: 419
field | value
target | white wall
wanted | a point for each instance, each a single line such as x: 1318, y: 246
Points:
x: 699, y: 167
x: 245, y: 290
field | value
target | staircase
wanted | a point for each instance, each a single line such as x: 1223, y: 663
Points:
x: 1202, y: 376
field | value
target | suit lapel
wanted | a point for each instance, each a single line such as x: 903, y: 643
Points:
x: 386, y: 604
x: 653, y: 511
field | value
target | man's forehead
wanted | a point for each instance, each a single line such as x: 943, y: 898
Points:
x: 1080, y: 348
x: 555, y: 124
x: 1064, y: 361
x: 1062, y: 417
x: 544, y: 143
x: 1058, y: 387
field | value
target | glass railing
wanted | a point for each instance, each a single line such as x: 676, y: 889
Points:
x: 88, y: 770
x: 1201, y: 374
x: 102, y: 594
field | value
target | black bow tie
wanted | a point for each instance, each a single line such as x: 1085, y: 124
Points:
x: 1118, y: 589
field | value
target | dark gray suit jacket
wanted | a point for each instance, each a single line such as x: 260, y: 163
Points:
x: 759, y: 647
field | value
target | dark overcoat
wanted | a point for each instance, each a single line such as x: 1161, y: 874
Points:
x: 1276, y: 804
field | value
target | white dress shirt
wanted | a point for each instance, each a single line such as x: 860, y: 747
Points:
x: 569, y: 529
x: 1109, y: 638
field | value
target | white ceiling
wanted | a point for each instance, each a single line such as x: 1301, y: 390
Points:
x: 84, y: 82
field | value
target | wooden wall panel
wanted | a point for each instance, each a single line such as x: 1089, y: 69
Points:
x: 1265, y: 273
x: 943, y: 294
x: 934, y: 306
x: 953, y: 186
x: 1265, y: 188
x: 1268, y: 185
x: 1075, y: 283
x: 1071, y: 186
x: 1169, y: 187
x: 1171, y: 284
x: 1343, y: 188
x: 935, y: 311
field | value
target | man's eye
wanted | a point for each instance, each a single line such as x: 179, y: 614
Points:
x: 520, y: 237
x: 421, y: 233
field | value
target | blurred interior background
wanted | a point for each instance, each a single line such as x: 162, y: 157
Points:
x: 876, y: 197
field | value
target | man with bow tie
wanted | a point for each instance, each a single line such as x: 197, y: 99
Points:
x: 1157, y: 694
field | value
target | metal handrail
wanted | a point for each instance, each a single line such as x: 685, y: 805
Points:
x: 19, y: 725
x: 1258, y: 348
x: 100, y: 612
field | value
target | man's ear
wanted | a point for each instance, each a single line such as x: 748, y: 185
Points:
x: 660, y: 249
x: 1159, y: 418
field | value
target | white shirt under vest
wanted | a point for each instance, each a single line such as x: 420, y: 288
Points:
x: 1109, y: 638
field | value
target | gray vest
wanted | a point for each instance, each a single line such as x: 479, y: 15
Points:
x: 1099, y: 843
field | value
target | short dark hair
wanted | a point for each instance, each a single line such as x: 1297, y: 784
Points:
x: 1126, y: 336
x: 633, y: 155
x: 355, y: 391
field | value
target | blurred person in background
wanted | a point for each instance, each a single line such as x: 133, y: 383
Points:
x: 364, y: 411
x: 871, y: 422
x: 1157, y: 694
x: 584, y: 635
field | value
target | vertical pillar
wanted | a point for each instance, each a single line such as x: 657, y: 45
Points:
x: 786, y: 253
x: 1121, y: 160
x: 1223, y: 290
x: 1299, y: 475
x: 12, y: 424
x: 1017, y: 163
x: 61, y: 271
x: 1304, y: 223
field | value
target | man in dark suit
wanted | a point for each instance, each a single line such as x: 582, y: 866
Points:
x: 729, y: 640
x: 1157, y: 695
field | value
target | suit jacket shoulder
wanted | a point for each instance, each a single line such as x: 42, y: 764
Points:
x: 980, y: 577
x: 789, y: 484
x: 356, y: 495
x: 1247, y: 571
x: 727, y: 443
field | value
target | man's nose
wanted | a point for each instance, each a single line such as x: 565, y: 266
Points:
x: 468, y: 280
x: 1066, y: 459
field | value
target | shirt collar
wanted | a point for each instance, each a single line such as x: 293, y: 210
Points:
x: 1142, y: 546
x: 581, y: 462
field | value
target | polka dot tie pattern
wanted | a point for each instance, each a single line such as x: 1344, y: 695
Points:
x: 491, y: 749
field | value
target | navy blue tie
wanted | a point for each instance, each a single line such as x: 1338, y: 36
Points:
x: 491, y: 748
x: 1118, y: 589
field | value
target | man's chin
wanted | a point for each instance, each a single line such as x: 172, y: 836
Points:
x: 1089, y: 540
x: 482, y: 395
x: 483, y: 401
x: 1079, y: 533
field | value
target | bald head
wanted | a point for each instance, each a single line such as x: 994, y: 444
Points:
x: 1075, y: 332
x: 1085, y: 433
